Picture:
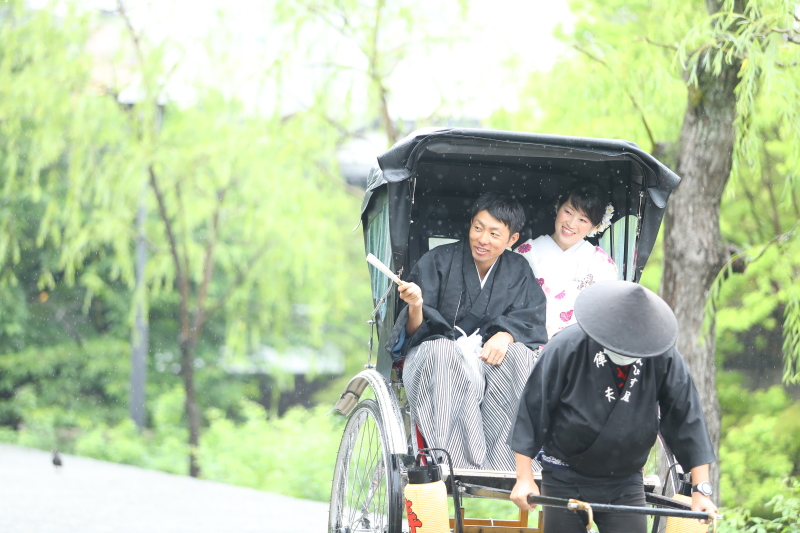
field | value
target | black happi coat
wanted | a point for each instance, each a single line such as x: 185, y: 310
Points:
x: 572, y: 409
x: 511, y: 299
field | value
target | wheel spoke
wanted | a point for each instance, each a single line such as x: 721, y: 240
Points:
x: 360, y: 497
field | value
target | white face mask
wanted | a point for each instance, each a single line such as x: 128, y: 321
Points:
x: 621, y: 360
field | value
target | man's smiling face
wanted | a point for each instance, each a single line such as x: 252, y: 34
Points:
x: 488, y: 238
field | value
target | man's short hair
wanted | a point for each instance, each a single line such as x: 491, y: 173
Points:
x: 502, y: 207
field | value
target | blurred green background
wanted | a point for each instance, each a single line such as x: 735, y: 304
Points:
x: 232, y: 144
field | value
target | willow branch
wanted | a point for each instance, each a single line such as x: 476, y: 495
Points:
x: 647, y: 39
x: 788, y: 33
x: 391, y: 133
x: 776, y: 224
x: 776, y: 239
x: 137, y: 42
x: 754, y: 209
x: 341, y: 183
x: 205, y: 314
x: 795, y: 203
x: 183, y: 281
x: 345, y: 29
x: 208, y: 263
x: 185, y: 240
x: 630, y: 95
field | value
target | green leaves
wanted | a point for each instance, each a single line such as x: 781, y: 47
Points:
x: 760, y: 446
x: 791, y: 336
x: 627, y: 76
x: 91, y: 384
x: 274, y: 454
x: 620, y: 78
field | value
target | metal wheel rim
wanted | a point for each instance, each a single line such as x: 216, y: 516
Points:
x: 360, y: 495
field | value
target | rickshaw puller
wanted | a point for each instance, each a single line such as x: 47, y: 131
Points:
x: 590, y: 409
x: 471, y: 285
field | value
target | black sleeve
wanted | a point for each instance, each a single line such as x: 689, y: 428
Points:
x: 524, y: 317
x: 540, y: 397
x: 428, y: 273
x: 683, y: 425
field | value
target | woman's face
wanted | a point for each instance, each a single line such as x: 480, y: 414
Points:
x: 572, y: 226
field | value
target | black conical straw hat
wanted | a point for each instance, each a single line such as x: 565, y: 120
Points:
x: 626, y: 318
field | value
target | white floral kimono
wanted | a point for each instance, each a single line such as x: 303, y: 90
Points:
x: 564, y: 274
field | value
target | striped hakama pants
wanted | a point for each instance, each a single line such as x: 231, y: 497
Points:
x: 447, y: 408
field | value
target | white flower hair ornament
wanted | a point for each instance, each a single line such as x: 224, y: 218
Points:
x: 604, y: 224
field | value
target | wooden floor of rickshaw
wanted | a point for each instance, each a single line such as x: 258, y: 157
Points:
x: 484, y: 525
x: 493, y: 479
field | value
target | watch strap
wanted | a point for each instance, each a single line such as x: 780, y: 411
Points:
x: 706, y: 485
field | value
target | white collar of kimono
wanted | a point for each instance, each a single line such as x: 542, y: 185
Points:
x: 483, y: 281
x: 553, y: 262
x: 621, y: 360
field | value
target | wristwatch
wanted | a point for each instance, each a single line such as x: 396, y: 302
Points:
x: 704, y: 488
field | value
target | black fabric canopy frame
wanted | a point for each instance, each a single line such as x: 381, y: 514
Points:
x: 425, y: 185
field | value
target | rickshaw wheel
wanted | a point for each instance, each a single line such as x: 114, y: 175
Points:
x: 366, y: 494
x: 662, y: 462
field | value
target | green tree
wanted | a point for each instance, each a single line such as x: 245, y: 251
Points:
x: 43, y: 74
x: 244, y: 227
x: 687, y: 81
x: 358, y: 45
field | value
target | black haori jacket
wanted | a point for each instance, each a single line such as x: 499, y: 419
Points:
x: 511, y: 299
x: 572, y: 409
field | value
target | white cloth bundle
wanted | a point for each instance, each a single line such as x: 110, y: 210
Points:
x: 470, y: 348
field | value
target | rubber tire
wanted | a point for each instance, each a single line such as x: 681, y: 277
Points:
x: 362, y: 451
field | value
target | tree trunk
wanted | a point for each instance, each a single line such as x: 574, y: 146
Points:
x: 693, y: 249
x: 192, y: 413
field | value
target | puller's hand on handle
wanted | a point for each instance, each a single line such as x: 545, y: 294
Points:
x: 701, y: 502
x: 519, y: 494
x: 525, y: 483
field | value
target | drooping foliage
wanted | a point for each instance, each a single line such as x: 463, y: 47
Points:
x: 259, y: 236
x: 356, y: 51
x: 245, y: 226
x: 632, y: 70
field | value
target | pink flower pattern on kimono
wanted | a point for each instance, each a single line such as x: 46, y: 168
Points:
x: 604, y: 254
x: 560, y: 286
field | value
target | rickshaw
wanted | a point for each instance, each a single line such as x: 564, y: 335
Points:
x: 418, y: 196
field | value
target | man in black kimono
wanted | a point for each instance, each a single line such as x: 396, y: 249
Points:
x: 473, y: 317
x: 593, y: 405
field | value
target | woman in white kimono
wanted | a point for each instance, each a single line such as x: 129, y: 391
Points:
x: 564, y: 263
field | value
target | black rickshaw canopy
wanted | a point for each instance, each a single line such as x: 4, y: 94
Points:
x: 423, y: 187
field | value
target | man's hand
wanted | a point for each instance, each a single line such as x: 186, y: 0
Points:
x: 519, y: 494
x: 703, y: 504
x: 411, y: 294
x: 525, y: 484
x: 494, y: 350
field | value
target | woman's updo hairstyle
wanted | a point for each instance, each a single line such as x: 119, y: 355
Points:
x: 587, y: 198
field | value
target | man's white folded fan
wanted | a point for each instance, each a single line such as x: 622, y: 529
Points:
x: 374, y: 261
